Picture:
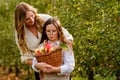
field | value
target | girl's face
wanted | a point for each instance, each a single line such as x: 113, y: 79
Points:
x: 29, y: 20
x: 52, y: 32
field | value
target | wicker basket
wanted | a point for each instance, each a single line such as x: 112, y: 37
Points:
x: 54, y: 58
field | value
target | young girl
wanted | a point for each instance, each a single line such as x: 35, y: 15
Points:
x: 52, y: 32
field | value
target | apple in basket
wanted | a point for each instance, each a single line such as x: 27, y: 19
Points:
x: 39, y: 51
x: 48, y: 47
x: 51, y: 49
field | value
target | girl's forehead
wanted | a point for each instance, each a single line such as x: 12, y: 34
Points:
x: 51, y: 26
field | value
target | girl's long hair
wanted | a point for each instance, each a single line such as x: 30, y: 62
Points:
x: 57, y: 24
x: 20, y: 14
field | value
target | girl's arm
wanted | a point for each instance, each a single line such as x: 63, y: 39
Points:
x: 34, y: 65
x: 40, y: 66
x: 68, y: 64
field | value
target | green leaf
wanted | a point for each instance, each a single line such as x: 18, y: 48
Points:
x: 64, y: 46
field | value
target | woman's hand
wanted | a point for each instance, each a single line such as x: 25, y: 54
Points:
x: 28, y: 62
x: 70, y: 43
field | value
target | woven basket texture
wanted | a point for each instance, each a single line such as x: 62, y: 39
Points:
x: 53, y: 58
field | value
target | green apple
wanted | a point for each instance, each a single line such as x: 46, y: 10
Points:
x: 41, y: 49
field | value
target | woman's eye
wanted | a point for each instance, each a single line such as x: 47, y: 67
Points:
x: 32, y: 15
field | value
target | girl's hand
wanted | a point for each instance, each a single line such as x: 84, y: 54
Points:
x: 53, y: 69
x: 43, y: 67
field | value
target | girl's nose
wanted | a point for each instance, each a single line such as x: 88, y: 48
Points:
x: 51, y: 33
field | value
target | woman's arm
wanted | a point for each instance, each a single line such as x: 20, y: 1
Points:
x: 45, y: 16
x: 68, y: 36
x: 26, y: 58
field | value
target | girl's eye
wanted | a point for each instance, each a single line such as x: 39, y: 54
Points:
x: 54, y: 30
x: 48, y: 31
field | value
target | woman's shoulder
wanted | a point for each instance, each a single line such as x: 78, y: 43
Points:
x: 45, y: 16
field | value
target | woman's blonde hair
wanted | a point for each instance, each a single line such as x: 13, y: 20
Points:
x: 20, y: 14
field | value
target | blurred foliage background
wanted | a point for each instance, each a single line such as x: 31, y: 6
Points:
x: 94, y: 24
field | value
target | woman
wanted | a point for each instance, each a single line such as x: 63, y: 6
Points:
x: 52, y: 32
x: 28, y: 29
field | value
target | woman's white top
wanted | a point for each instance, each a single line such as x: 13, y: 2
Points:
x: 66, y: 68
x: 33, y: 42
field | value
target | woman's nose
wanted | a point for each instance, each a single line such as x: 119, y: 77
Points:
x: 31, y: 19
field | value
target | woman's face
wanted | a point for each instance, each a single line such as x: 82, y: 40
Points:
x: 30, y: 18
x: 52, y: 32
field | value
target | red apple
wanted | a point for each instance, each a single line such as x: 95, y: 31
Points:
x: 37, y: 52
x: 48, y: 46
